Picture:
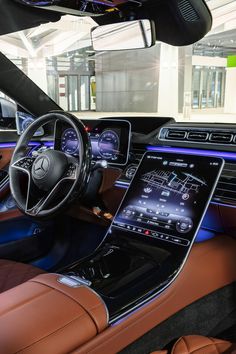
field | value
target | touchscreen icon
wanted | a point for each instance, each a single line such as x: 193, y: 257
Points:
x: 165, y: 193
x: 147, y: 190
x: 185, y: 196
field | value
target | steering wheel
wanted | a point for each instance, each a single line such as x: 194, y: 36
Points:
x: 54, y: 178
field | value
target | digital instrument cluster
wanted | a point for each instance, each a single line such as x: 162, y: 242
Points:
x: 109, y: 140
x: 23, y: 121
x: 168, y: 197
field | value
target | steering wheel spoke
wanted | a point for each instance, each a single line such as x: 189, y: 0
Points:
x: 24, y: 164
x: 36, y: 205
x: 41, y: 203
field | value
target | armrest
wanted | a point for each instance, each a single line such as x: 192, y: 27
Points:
x: 43, y: 315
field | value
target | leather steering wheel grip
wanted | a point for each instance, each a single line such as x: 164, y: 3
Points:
x: 21, y: 151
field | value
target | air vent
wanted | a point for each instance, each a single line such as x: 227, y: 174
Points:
x: 221, y: 138
x: 225, y: 192
x: 198, y: 136
x: 174, y: 134
x: 191, y: 135
x: 187, y: 11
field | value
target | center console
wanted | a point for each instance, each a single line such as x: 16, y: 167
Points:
x: 152, y: 232
x: 143, y: 252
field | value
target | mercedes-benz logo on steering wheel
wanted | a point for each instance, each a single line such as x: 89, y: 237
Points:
x: 41, y: 167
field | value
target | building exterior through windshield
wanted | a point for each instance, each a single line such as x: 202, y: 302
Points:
x: 188, y: 83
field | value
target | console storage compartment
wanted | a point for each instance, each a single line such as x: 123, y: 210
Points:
x: 44, y: 315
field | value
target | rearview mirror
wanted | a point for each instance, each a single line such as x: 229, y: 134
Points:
x: 125, y: 35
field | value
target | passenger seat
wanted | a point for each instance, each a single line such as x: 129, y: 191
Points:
x: 200, y: 345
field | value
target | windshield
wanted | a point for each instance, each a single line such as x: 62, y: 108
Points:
x: 193, y: 83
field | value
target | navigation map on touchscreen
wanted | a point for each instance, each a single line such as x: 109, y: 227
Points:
x: 168, y: 196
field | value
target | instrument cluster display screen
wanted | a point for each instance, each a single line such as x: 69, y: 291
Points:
x: 109, y: 140
x: 168, y: 196
x: 23, y: 121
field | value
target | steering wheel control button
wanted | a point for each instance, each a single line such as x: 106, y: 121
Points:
x: 25, y: 163
x: 71, y: 172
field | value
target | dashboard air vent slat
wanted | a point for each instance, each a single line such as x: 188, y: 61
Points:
x: 198, y: 136
x: 221, y: 138
x: 175, y: 134
x: 225, y: 192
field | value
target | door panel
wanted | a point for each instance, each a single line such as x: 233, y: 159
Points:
x: 21, y: 239
x: 5, y: 157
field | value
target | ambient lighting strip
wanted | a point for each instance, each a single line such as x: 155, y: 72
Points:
x: 189, y: 151
x: 33, y: 143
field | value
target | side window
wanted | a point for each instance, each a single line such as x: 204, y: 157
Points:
x: 8, y: 110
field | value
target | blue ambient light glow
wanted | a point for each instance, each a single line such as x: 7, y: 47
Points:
x: 32, y: 143
x: 204, y: 235
x: 223, y: 154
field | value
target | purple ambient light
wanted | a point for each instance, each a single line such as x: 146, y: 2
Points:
x: 223, y: 154
x: 32, y: 143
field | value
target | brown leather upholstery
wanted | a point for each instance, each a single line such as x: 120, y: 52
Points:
x: 5, y: 157
x: 84, y: 296
x: 196, y: 280
x: 14, y: 273
x: 201, y: 345
x: 45, y: 316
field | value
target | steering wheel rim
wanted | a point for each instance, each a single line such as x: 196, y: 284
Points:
x: 75, y: 172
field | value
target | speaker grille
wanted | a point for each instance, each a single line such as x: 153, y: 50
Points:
x: 187, y: 11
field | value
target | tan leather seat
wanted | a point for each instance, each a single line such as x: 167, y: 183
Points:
x: 15, y: 273
x: 200, y: 345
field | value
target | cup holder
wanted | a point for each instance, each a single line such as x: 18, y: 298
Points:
x: 115, y: 268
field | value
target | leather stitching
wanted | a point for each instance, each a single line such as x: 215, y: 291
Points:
x: 185, y: 342
x: 175, y: 345
x: 215, y: 345
x: 204, y: 347
x: 212, y: 343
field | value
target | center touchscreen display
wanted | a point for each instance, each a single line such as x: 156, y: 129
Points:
x: 168, y: 196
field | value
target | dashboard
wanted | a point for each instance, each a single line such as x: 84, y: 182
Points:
x: 159, y: 135
x: 110, y: 140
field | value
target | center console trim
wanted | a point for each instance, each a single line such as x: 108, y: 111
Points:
x: 157, y: 288
x: 156, y: 294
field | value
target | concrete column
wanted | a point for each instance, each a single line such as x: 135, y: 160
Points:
x: 185, y: 81
x: 230, y: 85
x: 37, y: 72
x: 168, y: 81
